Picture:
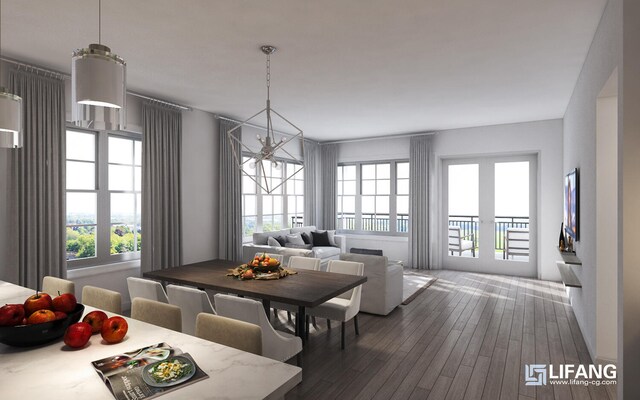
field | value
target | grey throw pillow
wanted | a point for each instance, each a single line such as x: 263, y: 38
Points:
x: 295, y: 239
x: 271, y: 241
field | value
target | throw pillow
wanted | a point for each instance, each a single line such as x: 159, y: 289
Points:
x: 332, y: 238
x: 306, y: 238
x: 295, y: 239
x: 281, y: 239
x: 271, y: 241
x: 320, y: 238
x: 298, y: 246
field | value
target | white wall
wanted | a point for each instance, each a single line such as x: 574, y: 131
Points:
x: 579, y: 126
x: 200, y: 186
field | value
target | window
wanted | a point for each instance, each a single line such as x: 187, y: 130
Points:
x: 374, y: 197
x: 282, y: 208
x: 103, y: 197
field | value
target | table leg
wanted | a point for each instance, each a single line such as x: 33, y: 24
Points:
x: 301, y: 320
x: 267, y: 308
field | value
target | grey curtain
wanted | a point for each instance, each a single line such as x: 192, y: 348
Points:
x: 230, y: 229
x: 311, y: 149
x: 161, y: 189
x: 419, y: 160
x: 37, y: 179
x: 329, y: 162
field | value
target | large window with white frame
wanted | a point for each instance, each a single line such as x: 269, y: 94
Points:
x: 373, y: 197
x: 282, y: 208
x: 103, y: 197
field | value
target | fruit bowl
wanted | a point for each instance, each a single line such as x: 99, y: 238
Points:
x: 267, y: 268
x: 32, y: 335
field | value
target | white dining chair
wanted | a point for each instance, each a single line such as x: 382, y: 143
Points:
x: 192, y: 302
x: 297, y: 262
x: 280, y: 346
x: 345, y: 306
x: 54, y: 286
x: 229, y: 332
x: 146, y: 289
x: 104, y: 299
x: 157, y: 313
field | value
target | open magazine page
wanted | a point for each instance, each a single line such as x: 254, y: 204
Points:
x: 148, y: 372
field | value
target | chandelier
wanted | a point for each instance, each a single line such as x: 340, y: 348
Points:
x: 270, y: 150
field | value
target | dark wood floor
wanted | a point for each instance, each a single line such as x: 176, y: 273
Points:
x: 467, y: 336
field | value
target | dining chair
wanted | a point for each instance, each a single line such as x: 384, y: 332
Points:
x: 278, y: 257
x: 157, y: 313
x: 346, y: 306
x: 280, y: 346
x: 147, y: 289
x: 297, y: 262
x: 192, y: 302
x: 52, y: 286
x: 229, y: 332
x: 104, y: 299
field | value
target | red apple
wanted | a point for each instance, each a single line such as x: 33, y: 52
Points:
x: 11, y: 314
x: 39, y: 301
x: 66, y: 303
x: 77, y: 335
x: 114, y: 329
x: 24, y: 321
x: 41, y: 316
x: 60, y: 315
x: 95, y: 319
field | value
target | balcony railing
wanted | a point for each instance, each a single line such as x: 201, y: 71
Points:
x: 374, y: 222
x: 469, y: 225
x: 297, y: 221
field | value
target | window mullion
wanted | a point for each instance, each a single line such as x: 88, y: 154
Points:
x: 103, y: 240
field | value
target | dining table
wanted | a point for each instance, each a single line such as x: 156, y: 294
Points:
x: 303, y: 289
x: 56, y: 371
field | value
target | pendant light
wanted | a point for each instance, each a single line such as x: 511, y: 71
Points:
x: 98, y: 85
x: 271, y: 151
x: 10, y: 112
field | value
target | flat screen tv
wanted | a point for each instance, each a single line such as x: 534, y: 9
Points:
x: 572, y: 204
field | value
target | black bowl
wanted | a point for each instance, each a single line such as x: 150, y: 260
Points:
x: 32, y: 335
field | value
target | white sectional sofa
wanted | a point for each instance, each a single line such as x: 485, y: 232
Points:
x: 325, y: 253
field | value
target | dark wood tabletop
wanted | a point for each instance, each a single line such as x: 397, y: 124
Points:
x: 306, y: 288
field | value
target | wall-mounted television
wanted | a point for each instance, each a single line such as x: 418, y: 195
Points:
x: 572, y: 204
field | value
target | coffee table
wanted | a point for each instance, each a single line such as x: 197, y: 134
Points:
x: 304, y: 289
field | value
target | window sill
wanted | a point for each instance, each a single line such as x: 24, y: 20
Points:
x: 102, y: 269
x: 379, y: 236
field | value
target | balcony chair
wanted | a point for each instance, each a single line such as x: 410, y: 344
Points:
x: 229, y: 332
x: 516, y: 242
x: 459, y: 243
x: 192, y: 302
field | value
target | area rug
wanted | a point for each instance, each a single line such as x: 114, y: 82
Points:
x: 414, y: 284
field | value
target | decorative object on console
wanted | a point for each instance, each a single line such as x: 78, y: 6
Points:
x: 561, y: 242
x: 268, y: 146
x: 10, y: 113
x: 98, y: 84
x: 572, y: 206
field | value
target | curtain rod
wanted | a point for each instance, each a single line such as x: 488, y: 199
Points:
x: 63, y: 75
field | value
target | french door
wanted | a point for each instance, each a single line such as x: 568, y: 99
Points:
x: 489, y: 214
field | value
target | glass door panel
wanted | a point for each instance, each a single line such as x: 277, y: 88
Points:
x: 511, y: 202
x: 463, y: 206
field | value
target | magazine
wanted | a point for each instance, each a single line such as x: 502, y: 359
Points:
x: 148, y: 372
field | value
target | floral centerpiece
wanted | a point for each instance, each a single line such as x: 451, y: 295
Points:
x: 261, y: 267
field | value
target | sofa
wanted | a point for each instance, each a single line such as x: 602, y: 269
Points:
x: 324, y: 253
x: 383, y: 290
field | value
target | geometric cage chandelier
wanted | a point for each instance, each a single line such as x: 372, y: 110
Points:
x: 269, y: 149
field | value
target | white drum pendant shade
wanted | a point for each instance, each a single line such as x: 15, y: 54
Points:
x: 98, y: 77
x: 10, y: 120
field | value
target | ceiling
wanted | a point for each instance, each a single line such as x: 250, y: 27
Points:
x: 343, y: 69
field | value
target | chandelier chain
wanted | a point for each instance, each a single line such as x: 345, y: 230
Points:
x: 99, y: 21
x: 268, y: 74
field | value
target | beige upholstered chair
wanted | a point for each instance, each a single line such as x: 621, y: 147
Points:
x: 192, y: 302
x: 157, y: 313
x: 345, y: 306
x: 276, y: 345
x: 459, y: 244
x: 146, y: 289
x: 104, y: 299
x: 297, y: 262
x: 52, y: 285
x: 229, y: 332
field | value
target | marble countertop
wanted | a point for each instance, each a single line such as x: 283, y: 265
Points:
x: 54, y: 371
